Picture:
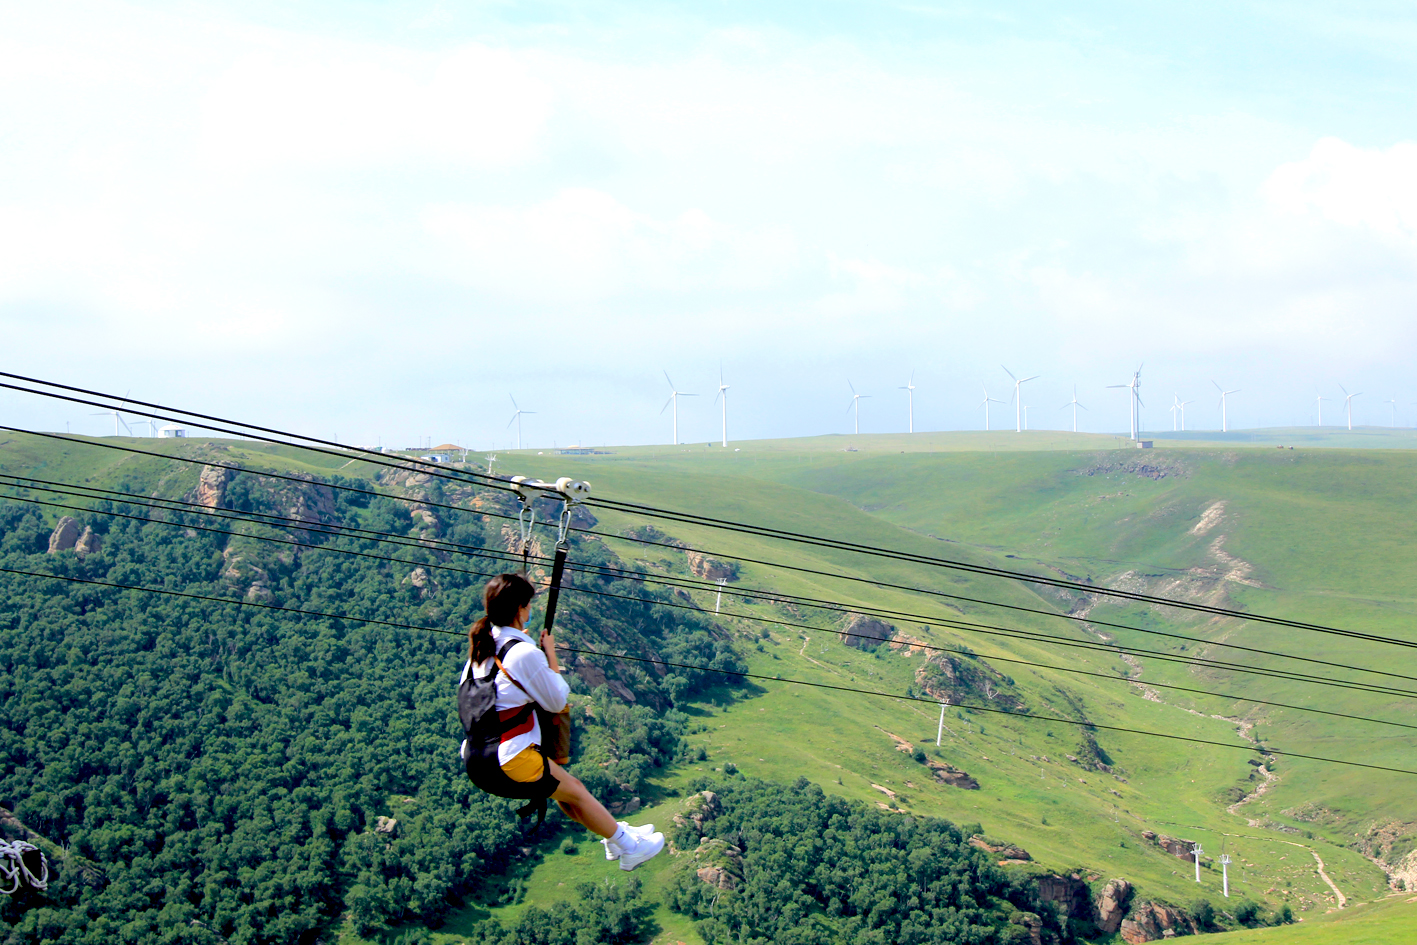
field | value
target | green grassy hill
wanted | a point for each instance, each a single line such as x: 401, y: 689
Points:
x: 1319, y: 536
x: 1308, y: 534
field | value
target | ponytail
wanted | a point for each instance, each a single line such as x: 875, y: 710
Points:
x: 504, y: 596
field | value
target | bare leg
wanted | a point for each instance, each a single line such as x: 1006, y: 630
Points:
x: 576, y: 801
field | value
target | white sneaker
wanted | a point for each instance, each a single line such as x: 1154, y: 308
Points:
x: 644, y: 848
x: 610, y: 852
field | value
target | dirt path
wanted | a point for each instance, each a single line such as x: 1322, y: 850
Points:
x: 1342, y: 899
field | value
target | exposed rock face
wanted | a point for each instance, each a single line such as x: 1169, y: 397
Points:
x: 650, y: 533
x: 211, y: 486
x: 1031, y: 924
x: 957, y: 679
x: 386, y: 826
x: 88, y: 544
x: 712, y: 569
x: 723, y: 863
x: 954, y: 777
x: 1007, y: 851
x: 1111, y: 905
x: 421, y: 579
x: 1069, y: 893
x: 1150, y: 921
x: 699, y: 809
x: 64, y: 536
x: 866, y: 633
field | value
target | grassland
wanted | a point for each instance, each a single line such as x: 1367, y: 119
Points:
x: 1313, y: 534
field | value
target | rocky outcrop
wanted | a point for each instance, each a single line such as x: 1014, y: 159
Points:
x: 64, y: 536
x: 1150, y: 921
x: 88, y: 544
x: 866, y: 633
x: 211, y: 486
x: 1180, y: 849
x: 711, y: 569
x: 626, y: 807
x: 386, y: 827
x: 650, y: 533
x: 1110, y: 906
x: 718, y: 863
x: 1068, y: 893
x: 963, y: 678
x: 699, y: 809
x: 1005, y: 851
x: 954, y: 777
x: 423, y: 581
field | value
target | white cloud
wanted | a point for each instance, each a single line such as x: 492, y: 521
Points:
x: 1356, y: 187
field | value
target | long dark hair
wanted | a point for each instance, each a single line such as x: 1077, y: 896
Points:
x: 502, y: 598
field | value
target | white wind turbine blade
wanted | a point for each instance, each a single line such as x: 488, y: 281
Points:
x: 666, y: 405
x: 1009, y: 373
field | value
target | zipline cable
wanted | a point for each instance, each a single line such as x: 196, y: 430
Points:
x: 724, y: 672
x: 1085, y: 644
x: 940, y: 620
x: 433, y: 469
x: 1087, y: 621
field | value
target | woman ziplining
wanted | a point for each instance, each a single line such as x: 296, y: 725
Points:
x: 508, y: 685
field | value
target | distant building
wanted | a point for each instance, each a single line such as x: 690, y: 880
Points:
x: 1143, y: 444
x: 435, y: 458
x: 172, y: 430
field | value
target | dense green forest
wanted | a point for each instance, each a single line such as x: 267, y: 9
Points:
x: 795, y: 866
x: 223, y: 766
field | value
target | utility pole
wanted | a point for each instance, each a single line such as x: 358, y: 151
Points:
x: 1197, y: 851
x: 719, y: 600
x: 1225, y: 873
x: 940, y: 732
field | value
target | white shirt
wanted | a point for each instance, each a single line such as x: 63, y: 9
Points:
x: 528, y: 665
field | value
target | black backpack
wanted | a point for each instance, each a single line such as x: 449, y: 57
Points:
x: 477, y: 710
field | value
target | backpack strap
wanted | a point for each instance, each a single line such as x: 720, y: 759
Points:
x: 501, y: 655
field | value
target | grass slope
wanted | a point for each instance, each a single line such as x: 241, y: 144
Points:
x: 1321, y: 535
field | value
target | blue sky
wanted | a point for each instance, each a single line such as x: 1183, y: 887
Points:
x: 384, y: 220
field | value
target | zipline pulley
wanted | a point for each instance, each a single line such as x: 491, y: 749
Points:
x: 571, y: 492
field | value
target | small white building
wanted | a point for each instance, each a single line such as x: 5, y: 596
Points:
x: 172, y: 430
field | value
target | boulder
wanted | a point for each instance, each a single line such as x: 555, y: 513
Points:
x: 625, y: 808
x: 866, y: 633
x: 1111, y: 905
x: 711, y: 569
x: 64, y: 536
x: 423, y: 581
x: 718, y: 863
x: 88, y: 544
x: 386, y: 826
x: 717, y: 876
x: 1151, y: 921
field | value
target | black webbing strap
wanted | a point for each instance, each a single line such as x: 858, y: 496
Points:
x: 558, y: 568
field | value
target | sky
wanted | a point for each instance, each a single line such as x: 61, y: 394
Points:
x: 382, y: 222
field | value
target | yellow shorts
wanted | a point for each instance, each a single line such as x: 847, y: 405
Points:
x: 526, y: 766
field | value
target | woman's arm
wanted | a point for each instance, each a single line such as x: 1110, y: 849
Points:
x: 541, y: 678
x: 548, y: 646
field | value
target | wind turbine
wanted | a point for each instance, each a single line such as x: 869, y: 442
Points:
x: 1016, y: 400
x: 1321, y: 399
x: 517, y: 419
x: 723, y: 395
x: 1224, y: 423
x: 1175, y: 406
x: 1075, y: 405
x: 117, y: 419
x: 985, y: 404
x: 1393, y: 401
x: 855, y: 402
x: 1182, y: 405
x: 1348, y: 403
x: 1134, y: 400
x: 910, y: 390
x: 1025, y: 416
x: 674, y: 396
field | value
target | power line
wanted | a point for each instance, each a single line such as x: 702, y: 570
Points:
x: 721, y: 524
x: 995, y: 711
x: 724, y: 672
x: 788, y: 598
x: 807, y: 601
x: 606, y: 571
